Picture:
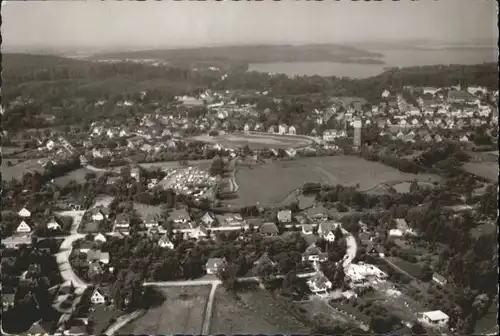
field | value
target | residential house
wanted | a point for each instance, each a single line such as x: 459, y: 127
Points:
x: 23, y: 228
x: 395, y: 233
x: 208, y: 219
x: 375, y: 250
x: 135, y: 173
x: 313, y: 253
x: 285, y: 216
x: 180, y: 216
x: 317, y: 213
x: 85, y: 246
x: 97, y: 297
x: 99, y: 213
x: 326, y: 230
x: 264, y: 258
x: 439, y: 279
x: 329, y: 135
x: 165, y: 242
x: 151, y: 221
x: 8, y: 300
x: 307, y: 229
x: 97, y: 255
x: 198, y: 233
x: 319, y: 284
x: 122, y: 222
x: 268, y: 229
x: 292, y: 130
x: 282, y: 129
x: 53, y: 224
x: 461, y: 97
x: 100, y: 238
x: 40, y: 328
x: 435, y: 318
x: 24, y: 213
x: 95, y: 269
x: 213, y: 265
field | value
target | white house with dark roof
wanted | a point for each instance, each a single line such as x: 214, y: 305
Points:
x: 326, y: 230
x: 319, y: 284
x: 97, y: 297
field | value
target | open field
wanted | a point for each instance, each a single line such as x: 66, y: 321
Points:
x: 257, y: 141
x: 488, y: 323
x: 255, y: 313
x: 20, y: 168
x: 270, y: 184
x: 488, y: 170
x: 182, y: 312
x: 315, y: 308
x: 10, y: 150
x: 404, y: 187
x: 78, y: 175
x: 413, y: 269
x: 144, y: 210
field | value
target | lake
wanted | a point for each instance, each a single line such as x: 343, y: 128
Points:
x: 392, y: 58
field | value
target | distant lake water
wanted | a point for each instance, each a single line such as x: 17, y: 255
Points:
x: 392, y: 58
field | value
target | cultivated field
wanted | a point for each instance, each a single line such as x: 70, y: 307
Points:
x: 255, y: 313
x: 182, y: 312
x: 257, y: 141
x: 270, y: 184
x: 18, y: 169
x: 488, y: 170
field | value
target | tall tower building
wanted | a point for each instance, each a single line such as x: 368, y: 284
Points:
x: 357, y: 133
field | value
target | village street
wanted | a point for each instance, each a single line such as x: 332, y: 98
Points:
x: 62, y: 256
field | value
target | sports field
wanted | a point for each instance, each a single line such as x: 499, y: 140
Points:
x: 271, y: 183
x: 257, y: 141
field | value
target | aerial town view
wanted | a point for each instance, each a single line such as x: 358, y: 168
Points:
x: 222, y: 168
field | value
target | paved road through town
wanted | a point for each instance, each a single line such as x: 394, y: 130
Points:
x: 62, y: 257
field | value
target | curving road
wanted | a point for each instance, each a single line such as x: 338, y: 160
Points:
x: 62, y: 257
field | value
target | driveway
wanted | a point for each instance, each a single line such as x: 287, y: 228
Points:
x: 352, y: 248
x: 66, y: 247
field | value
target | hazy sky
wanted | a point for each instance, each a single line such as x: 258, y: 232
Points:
x: 169, y: 24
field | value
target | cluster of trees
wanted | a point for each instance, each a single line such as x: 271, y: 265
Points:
x: 369, y: 88
x: 32, y: 298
